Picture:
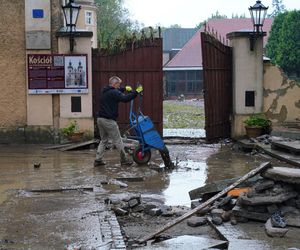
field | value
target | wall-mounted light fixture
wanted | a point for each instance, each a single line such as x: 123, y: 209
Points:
x: 258, y: 14
x: 71, y: 12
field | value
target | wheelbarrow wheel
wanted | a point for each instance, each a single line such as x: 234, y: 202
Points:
x: 138, y: 156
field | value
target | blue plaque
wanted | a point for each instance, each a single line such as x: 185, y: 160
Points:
x: 38, y: 13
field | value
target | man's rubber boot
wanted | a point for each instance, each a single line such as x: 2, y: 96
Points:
x: 98, y: 163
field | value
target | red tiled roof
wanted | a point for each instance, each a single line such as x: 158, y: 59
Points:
x: 191, y: 55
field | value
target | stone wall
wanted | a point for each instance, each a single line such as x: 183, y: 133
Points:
x: 12, y: 65
x: 281, y: 97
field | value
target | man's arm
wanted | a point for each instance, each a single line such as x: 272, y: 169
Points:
x: 125, y: 98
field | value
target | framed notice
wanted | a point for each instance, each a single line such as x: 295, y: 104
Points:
x: 57, y: 74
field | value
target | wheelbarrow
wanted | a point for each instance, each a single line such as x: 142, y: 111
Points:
x: 147, y: 137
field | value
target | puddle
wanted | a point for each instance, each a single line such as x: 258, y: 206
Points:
x: 204, y: 164
x: 188, y: 176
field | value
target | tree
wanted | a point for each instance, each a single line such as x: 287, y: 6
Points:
x: 216, y: 15
x: 284, y: 42
x: 238, y: 16
x: 175, y: 26
x: 278, y: 8
x: 113, y: 21
x: 274, y: 37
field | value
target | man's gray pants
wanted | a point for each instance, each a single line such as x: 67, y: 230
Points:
x: 109, y: 129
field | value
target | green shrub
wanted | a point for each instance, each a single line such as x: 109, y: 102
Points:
x: 70, y: 129
x: 258, y: 120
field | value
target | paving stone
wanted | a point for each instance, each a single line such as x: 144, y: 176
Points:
x: 265, y: 200
x: 217, y: 211
x: 259, y: 209
x: 120, y: 211
x: 168, y: 213
x: 196, y: 221
x: 217, y: 220
x: 149, y: 206
x: 263, y: 185
x: 139, y: 208
x: 233, y: 220
x: 133, y: 202
x: 288, y: 175
x: 204, y: 211
x: 131, y: 196
x: 155, y: 211
x: 195, y: 204
x: 243, y: 213
x: 226, y: 216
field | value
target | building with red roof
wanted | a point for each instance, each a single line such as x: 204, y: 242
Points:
x: 183, y: 73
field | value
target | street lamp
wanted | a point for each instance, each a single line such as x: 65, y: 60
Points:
x: 71, y: 12
x: 258, y: 14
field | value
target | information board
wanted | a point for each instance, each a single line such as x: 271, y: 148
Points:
x: 57, y: 74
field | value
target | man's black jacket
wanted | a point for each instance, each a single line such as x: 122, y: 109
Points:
x: 109, y: 100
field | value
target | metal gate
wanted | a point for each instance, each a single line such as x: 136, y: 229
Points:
x: 139, y: 62
x: 217, y: 86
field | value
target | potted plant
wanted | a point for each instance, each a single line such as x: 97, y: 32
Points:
x: 71, y: 132
x: 257, y: 125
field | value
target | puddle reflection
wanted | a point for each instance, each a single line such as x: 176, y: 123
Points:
x: 189, y: 175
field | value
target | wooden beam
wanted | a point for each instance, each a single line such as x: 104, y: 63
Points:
x: 262, y: 167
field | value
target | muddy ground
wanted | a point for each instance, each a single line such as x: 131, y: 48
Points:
x: 198, y: 165
x: 58, y: 220
x: 37, y: 212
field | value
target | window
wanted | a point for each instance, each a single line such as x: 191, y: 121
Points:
x: 172, y: 87
x: 89, y: 17
x: 190, y: 87
x: 249, y: 98
x: 75, y: 104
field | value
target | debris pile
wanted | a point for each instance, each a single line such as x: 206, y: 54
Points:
x: 133, y: 205
x: 274, y: 198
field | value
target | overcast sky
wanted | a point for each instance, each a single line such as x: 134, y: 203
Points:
x: 189, y: 13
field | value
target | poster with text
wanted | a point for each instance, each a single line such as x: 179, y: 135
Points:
x: 57, y: 74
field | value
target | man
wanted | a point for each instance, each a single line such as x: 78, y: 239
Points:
x: 107, y: 116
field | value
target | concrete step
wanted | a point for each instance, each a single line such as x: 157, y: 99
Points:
x: 291, y: 131
x: 292, y: 147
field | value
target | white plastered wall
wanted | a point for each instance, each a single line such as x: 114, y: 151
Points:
x: 85, y: 117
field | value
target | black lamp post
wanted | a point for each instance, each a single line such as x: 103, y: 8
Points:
x: 258, y: 14
x: 71, y: 12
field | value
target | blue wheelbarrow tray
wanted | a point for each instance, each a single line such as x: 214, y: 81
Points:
x: 147, y: 134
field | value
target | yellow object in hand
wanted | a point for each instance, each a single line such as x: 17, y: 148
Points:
x: 139, y: 89
x: 128, y: 88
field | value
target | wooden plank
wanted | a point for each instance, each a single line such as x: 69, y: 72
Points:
x: 255, y: 171
x: 79, y: 145
x: 58, y: 146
